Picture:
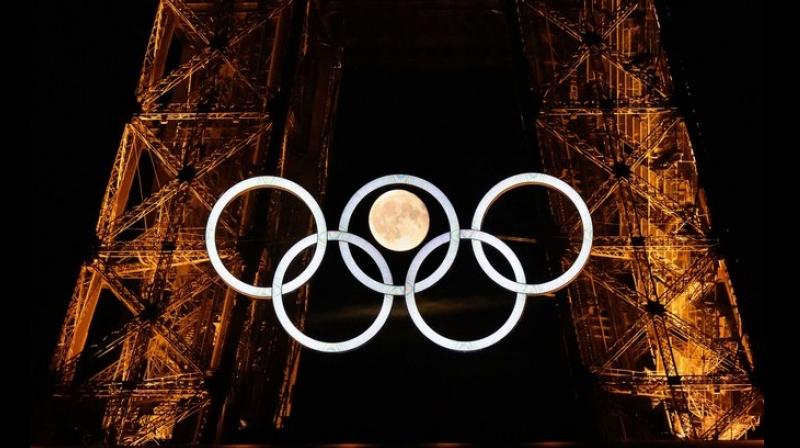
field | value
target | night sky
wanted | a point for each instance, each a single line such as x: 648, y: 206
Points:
x: 85, y: 62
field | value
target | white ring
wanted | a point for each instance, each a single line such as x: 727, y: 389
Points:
x: 254, y: 183
x: 299, y: 336
x: 586, y: 221
x: 453, y: 344
x: 410, y: 287
x: 400, y: 179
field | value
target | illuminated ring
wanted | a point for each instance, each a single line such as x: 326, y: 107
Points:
x: 299, y: 336
x: 255, y: 183
x: 400, y: 179
x: 586, y: 221
x: 453, y: 344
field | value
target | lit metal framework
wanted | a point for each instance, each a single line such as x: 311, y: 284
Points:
x: 224, y: 95
x: 654, y: 313
x: 232, y: 89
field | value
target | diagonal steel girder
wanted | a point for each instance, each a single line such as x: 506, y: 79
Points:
x: 744, y: 405
x: 674, y: 322
x: 196, y: 27
x: 637, y: 184
x: 185, y: 294
x: 150, y: 55
x: 643, y: 149
x: 583, y: 52
x: 136, y: 305
x: 173, y: 187
x: 202, y: 36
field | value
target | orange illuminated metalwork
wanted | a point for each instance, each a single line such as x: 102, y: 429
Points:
x: 229, y: 90
x: 655, y: 314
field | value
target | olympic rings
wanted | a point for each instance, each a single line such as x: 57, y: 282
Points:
x: 401, y: 179
x: 452, y: 344
x: 283, y: 318
x: 411, y: 286
x: 586, y: 222
x: 255, y: 183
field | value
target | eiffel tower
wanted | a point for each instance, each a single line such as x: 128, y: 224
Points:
x: 232, y: 89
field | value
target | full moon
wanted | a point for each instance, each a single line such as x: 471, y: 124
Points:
x: 399, y: 220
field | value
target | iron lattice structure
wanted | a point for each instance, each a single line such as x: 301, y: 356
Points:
x: 654, y: 312
x: 232, y: 89
x: 217, y: 104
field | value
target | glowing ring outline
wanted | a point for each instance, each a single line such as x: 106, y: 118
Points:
x: 553, y: 183
x: 454, y: 344
x: 422, y: 184
x: 389, y: 290
x: 315, y: 344
x: 256, y: 183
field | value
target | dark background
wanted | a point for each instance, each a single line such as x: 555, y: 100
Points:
x: 85, y: 62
